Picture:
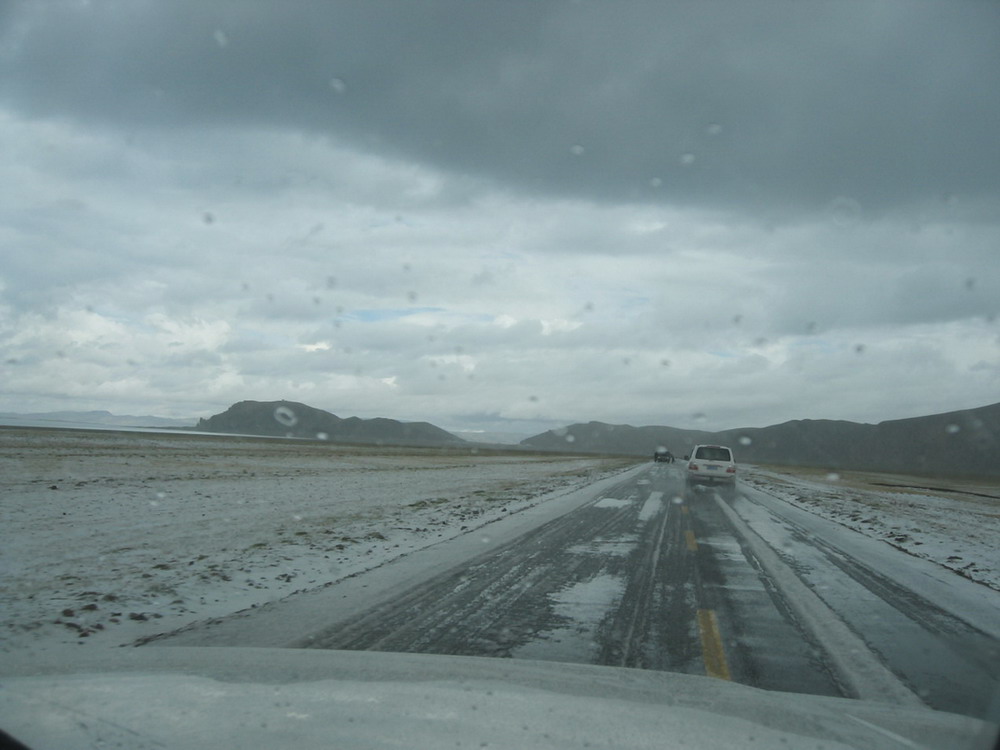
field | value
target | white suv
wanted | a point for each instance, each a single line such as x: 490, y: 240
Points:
x: 711, y: 464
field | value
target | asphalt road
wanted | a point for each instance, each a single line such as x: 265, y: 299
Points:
x: 654, y: 576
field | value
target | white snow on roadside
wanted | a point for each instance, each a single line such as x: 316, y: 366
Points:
x: 954, y: 523
x: 109, y: 537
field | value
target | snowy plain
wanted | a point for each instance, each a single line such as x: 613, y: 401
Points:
x: 111, y: 537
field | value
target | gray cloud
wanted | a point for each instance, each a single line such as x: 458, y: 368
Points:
x: 783, y: 106
x: 501, y: 214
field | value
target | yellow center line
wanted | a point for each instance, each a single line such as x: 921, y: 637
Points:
x: 689, y: 538
x: 711, y: 645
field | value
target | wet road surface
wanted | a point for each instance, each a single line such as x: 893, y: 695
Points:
x: 653, y: 575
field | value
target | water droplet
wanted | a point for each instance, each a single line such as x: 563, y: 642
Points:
x: 322, y: 436
x: 687, y: 159
x: 338, y: 85
x: 331, y: 282
x: 699, y: 417
x: 160, y: 495
x: 859, y: 349
x: 745, y: 440
x: 665, y: 362
x: 655, y: 182
x: 153, y: 503
x: 220, y: 38
x: 208, y: 217
x: 714, y: 129
x: 970, y: 284
x: 952, y: 429
x: 532, y: 398
x: 570, y: 438
x: 678, y: 500
x: 411, y: 296
x: 737, y: 319
x: 833, y: 477
x: 811, y: 327
x: 286, y: 416
x: 296, y: 518
x: 486, y: 540
x: 844, y: 211
x: 577, y: 150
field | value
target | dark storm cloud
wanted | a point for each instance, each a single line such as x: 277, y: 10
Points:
x: 785, y: 106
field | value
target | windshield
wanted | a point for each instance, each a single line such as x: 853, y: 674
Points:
x: 375, y: 327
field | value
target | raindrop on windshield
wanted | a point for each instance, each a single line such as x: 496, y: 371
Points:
x: 952, y: 429
x: 220, y: 38
x: 577, y: 150
x: 656, y: 182
x: 745, y: 440
x: 286, y: 416
x: 687, y: 159
x: 714, y: 129
x: 570, y: 438
x: 699, y: 417
x: 322, y: 436
x: 843, y: 210
x: 338, y: 85
x: 833, y: 477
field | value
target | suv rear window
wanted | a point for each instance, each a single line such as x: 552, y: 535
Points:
x: 713, y: 453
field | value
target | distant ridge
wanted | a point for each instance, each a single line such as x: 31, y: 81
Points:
x: 97, y: 417
x: 293, y: 419
x: 958, y: 443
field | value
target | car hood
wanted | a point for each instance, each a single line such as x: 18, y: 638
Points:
x: 176, y: 697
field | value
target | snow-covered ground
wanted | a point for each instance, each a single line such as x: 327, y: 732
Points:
x: 952, y: 522
x: 108, y: 537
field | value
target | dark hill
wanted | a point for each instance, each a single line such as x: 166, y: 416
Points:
x: 291, y: 419
x: 959, y: 443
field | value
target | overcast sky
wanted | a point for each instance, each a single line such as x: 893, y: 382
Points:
x: 501, y: 215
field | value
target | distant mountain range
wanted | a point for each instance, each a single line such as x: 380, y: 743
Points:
x: 959, y: 443
x: 102, y: 418
x: 292, y: 419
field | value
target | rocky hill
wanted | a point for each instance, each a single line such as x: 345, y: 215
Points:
x: 960, y: 443
x: 292, y: 419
